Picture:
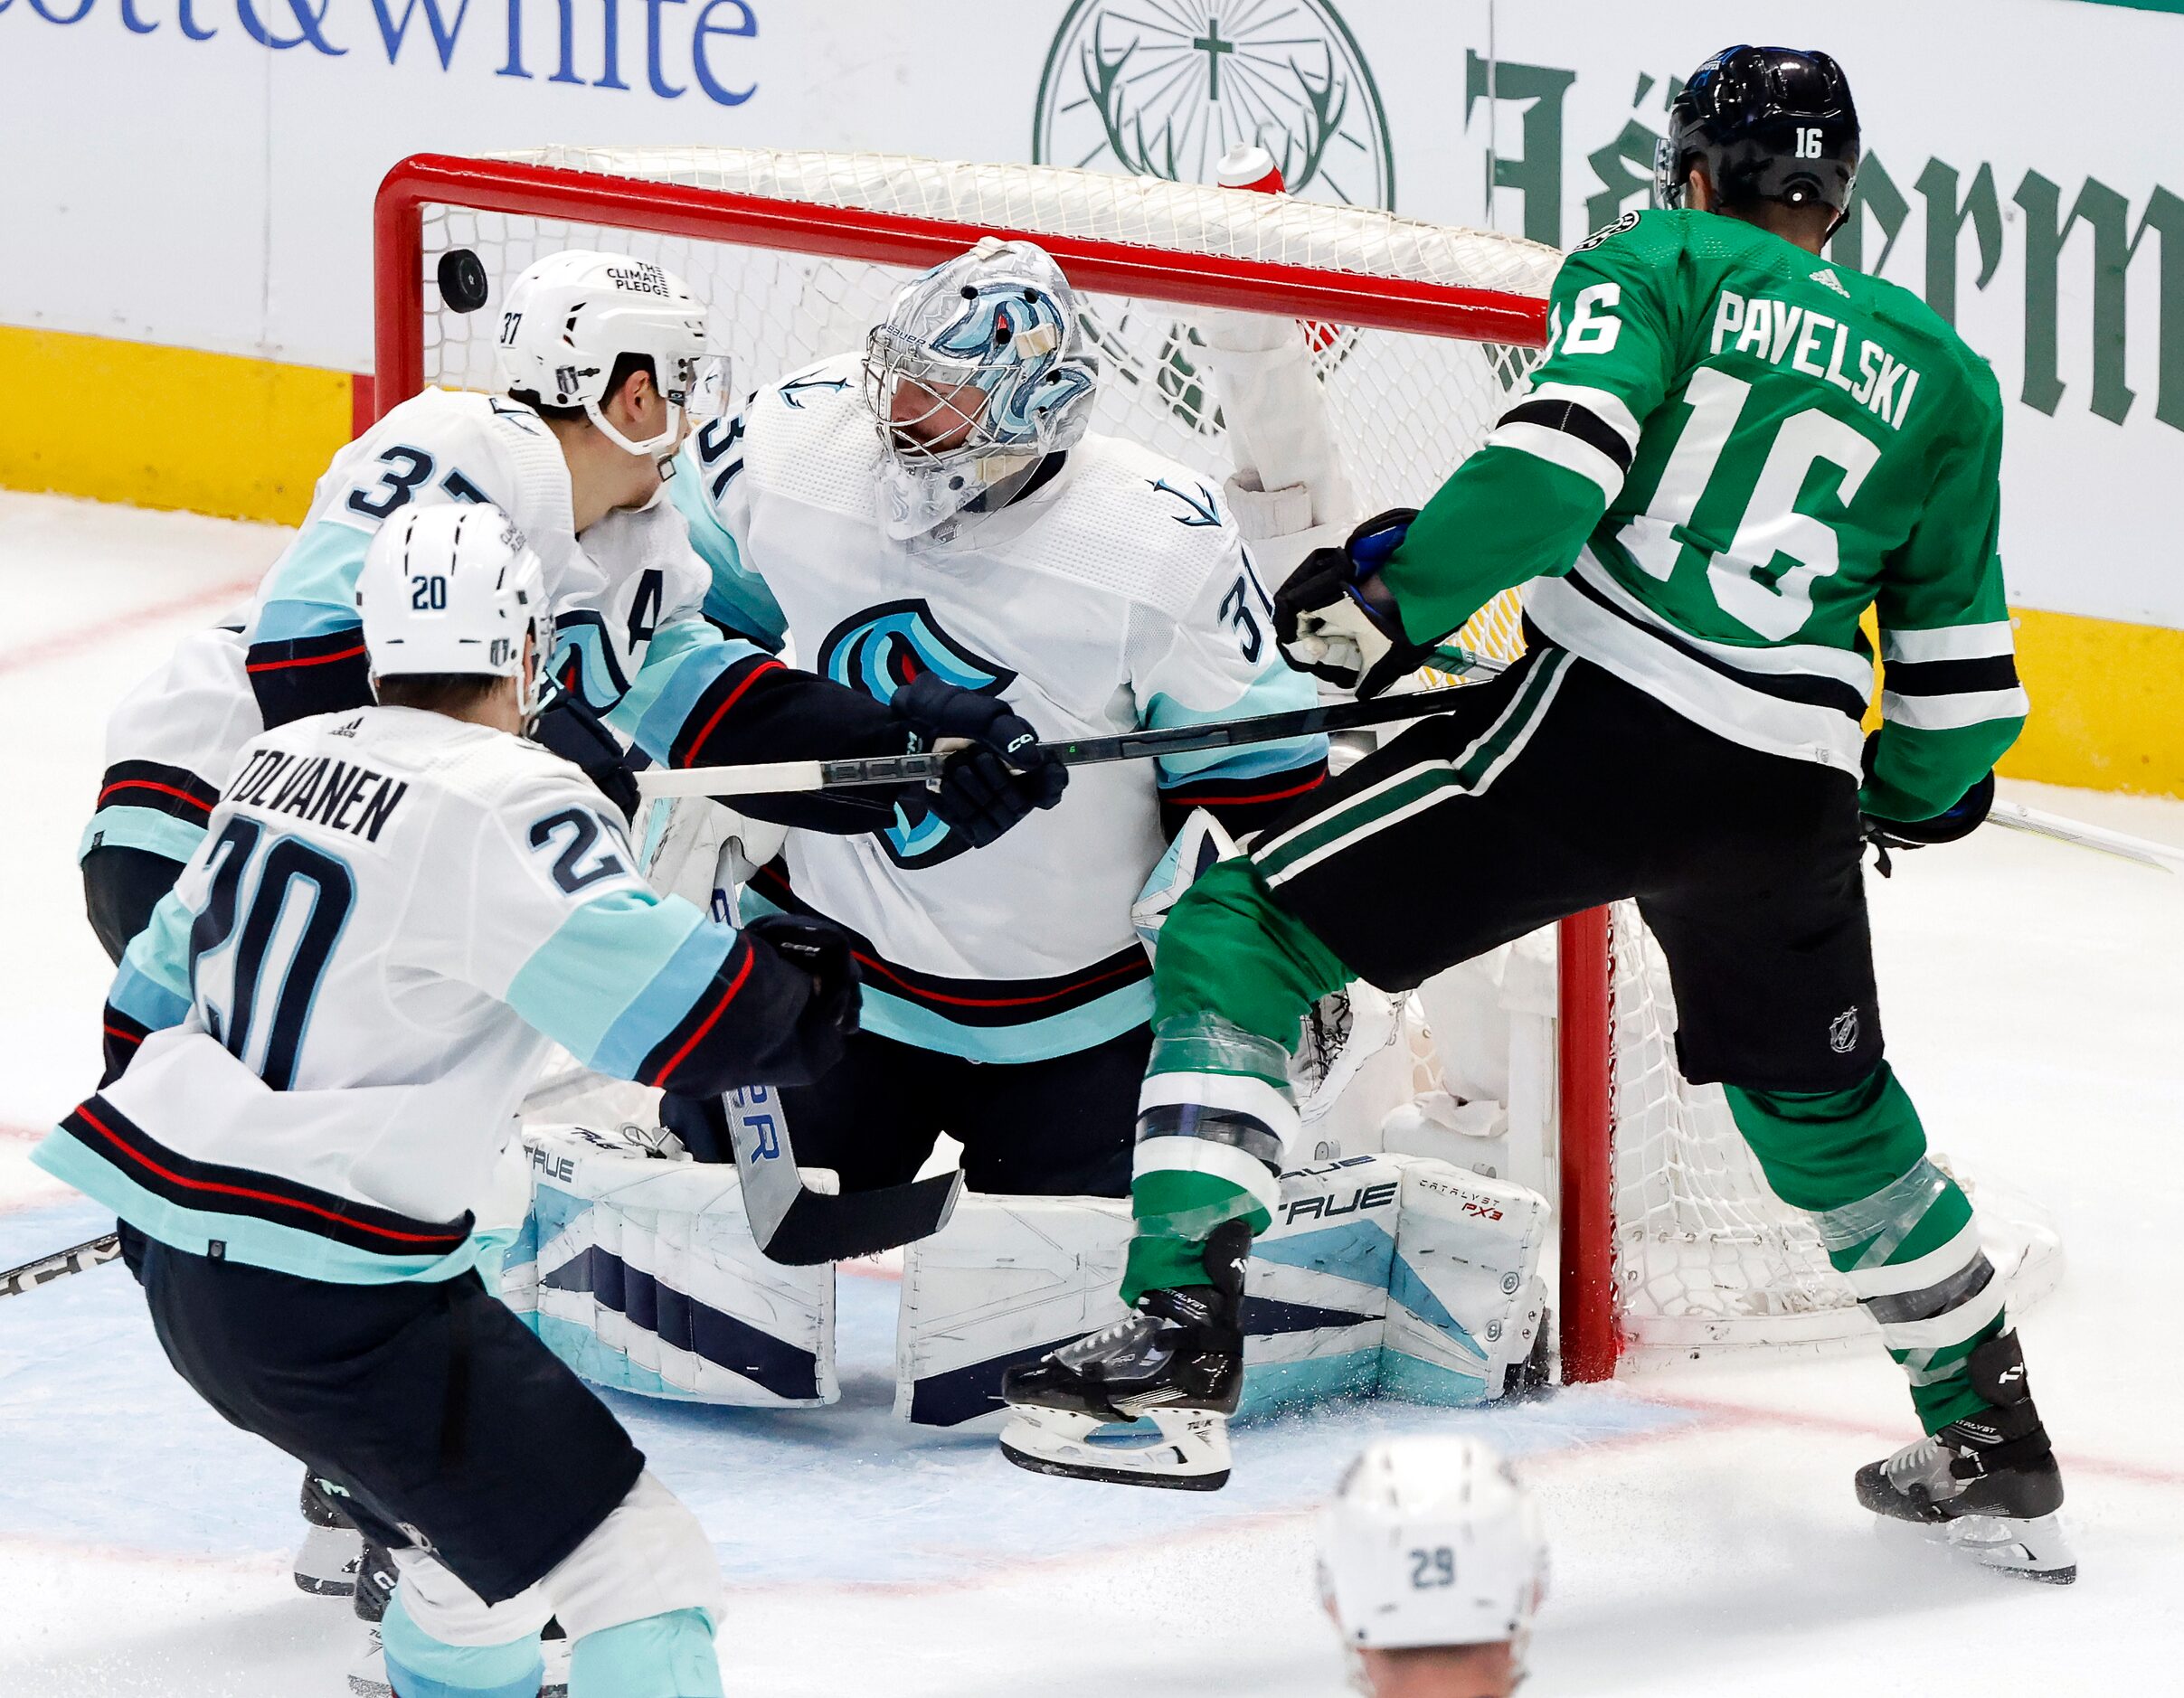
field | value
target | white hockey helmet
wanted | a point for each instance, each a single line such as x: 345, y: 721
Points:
x: 568, y: 319
x: 1432, y: 1541
x: 1003, y: 320
x: 453, y: 588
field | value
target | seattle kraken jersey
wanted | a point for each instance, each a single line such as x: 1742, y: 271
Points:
x: 1113, y: 595
x: 628, y: 599
x: 323, y: 1035
x: 1730, y: 452
x: 172, y: 740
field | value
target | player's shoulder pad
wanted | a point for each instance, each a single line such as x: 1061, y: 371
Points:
x: 1131, y: 522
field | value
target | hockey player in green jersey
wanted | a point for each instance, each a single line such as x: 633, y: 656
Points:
x: 1731, y: 449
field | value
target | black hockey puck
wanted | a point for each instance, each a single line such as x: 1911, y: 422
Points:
x: 462, y: 280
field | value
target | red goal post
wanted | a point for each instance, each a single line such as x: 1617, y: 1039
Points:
x: 654, y: 203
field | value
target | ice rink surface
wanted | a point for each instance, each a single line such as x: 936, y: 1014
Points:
x: 1703, y: 1533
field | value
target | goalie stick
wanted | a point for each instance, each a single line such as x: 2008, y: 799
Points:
x: 778, y: 777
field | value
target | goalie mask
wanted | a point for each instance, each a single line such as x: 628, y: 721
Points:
x: 978, y: 373
x: 569, y: 318
x: 453, y: 588
x: 1431, y: 1540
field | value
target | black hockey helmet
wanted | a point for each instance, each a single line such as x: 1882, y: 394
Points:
x: 1768, y: 124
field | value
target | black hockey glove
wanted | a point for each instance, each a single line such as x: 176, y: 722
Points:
x: 1335, y: 618
x: 1961, y: 820
x: 822, y: 952
x: 985, y: 789
x: 578, y: 736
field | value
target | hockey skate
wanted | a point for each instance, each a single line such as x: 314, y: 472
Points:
x: 1987, y: 1485
x: 1178, y: 1361
x: 326, y: 1562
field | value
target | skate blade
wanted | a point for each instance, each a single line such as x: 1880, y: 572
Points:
x: 1190, y: 1455
x: 325, y: 1565
x: 2033, y: 1549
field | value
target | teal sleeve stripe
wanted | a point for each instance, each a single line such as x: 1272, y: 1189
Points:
x: 906, y: 1022
x: 154, y: 979
x: 312, y: 588
x: 145, y: 999
x: 681, y: 663
x: 618, y: 975
x: 140, y: 828
x: 243, y: 1237
x: 1254, y: 762
x: 1081, y: 1028
x: 1277, y: 690
x: 739, y: 597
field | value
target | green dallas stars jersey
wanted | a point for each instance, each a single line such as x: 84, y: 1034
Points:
x: 1731, y: 449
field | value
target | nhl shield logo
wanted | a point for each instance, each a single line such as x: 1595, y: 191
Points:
x: 1842, y: 1032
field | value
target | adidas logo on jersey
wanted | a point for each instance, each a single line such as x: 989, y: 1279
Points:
x: 1826, y: 274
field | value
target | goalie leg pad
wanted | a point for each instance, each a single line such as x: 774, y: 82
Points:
x: 1378, y: 1273
x: 642, y: 1274
x: 1466, y: 1300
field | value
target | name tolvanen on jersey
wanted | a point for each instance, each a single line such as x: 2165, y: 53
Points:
x: 321, y: 790
x: 1818, y: 346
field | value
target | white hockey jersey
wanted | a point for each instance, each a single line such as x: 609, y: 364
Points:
x: 1113, y: 595
x: 629, y: 588
x: 329, y: 1023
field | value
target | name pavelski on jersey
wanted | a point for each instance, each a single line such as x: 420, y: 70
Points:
x: 1783, y: 334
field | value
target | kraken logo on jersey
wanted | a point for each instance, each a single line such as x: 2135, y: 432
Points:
x: 883, y: 649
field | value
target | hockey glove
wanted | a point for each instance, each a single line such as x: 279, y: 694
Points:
x: 822, y: 953
x: 578, y: 736
x: 1335, y: 618
x: 1961, y: 820
x: 998, y: 781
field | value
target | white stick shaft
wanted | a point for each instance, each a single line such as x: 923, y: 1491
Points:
x: 2017, y: 816
x: 775, y: 778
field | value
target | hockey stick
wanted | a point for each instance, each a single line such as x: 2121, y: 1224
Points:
x: 800, y: 1226
x: 2017, y: 816
x: 778, y: 777
x: 73, y: 1259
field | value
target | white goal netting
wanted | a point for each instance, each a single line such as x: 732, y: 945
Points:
x: 796, y: 255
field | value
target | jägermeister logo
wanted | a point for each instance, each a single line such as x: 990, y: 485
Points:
x: 1164, y: 87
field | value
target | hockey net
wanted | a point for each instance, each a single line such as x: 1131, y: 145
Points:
x: 1418, y: 334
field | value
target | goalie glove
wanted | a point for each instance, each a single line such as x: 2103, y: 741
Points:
x: 1335, y: 619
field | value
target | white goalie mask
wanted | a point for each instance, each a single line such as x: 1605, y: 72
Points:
x: 1432, y: 1541
x: 978, y: 373
x: 453, y: 588
x: 567, y: 319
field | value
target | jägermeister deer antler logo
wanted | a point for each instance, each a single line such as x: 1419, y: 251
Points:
x: 1164, y: 87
